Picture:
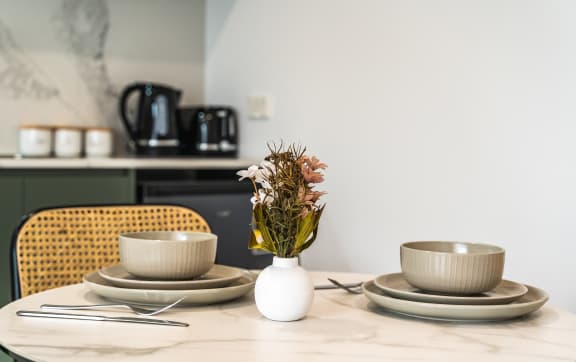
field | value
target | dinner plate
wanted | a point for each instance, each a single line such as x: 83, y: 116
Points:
x: 397, y: 286
x: 218, y: 276
x: 528, y: 303
x: 236, y: 289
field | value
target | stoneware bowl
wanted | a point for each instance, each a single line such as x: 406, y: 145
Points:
x: 452, y: 267
x: 167, y: 255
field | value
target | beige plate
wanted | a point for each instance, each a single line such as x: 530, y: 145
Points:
x: 531, y: 301
x: 235, y: 290
x: 395, y: 285
x: 218, y: 276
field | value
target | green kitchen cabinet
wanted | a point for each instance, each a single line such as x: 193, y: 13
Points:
x: 56, y: 189
x: 11, y: 210
x: 24, y: 190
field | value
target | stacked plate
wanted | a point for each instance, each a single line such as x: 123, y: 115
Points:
x: 508, y: 300
x: 222, y: 283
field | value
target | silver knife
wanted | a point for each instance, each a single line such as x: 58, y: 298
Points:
x: 90, y: 317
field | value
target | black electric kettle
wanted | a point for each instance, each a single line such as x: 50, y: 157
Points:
x: 154, y: 129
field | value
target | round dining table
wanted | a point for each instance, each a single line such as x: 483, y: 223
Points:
x: 340, y: 326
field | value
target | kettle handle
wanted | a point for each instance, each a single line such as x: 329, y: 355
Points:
x: 130, y: 125
x: 229, y: 123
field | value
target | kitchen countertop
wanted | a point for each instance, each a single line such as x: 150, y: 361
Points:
x: 125, y: 162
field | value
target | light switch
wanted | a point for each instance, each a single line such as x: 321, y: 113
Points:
x: 259, y: 107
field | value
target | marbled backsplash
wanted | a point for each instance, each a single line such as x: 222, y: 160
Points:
x: 66, y: 62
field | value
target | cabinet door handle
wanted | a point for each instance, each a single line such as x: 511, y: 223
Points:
x: 224, y: 213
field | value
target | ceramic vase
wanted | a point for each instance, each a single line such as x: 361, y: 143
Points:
x: 284, y: 290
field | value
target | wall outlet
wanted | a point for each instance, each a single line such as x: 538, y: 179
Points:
x: 259, y: 107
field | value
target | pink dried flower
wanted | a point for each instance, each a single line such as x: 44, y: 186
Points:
x: 309, y: 197
x: 309, y: 166
x: 312, y: 176
x: 313, y: 196
x: 314, y: 163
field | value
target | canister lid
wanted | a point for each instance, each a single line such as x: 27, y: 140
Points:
x: 69, y: 127
x: 36, y: 126
x: 98, y: 128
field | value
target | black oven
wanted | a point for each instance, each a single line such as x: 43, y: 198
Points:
x: 219, y: 197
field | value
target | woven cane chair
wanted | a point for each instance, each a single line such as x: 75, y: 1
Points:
x: 58, y: 246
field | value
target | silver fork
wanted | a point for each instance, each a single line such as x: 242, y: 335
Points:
x: 138, y: 310
x: 345, y: 287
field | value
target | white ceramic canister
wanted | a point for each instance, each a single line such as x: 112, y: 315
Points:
x: 68, y: 141
x: 98, y: 142
x: 35, y: 140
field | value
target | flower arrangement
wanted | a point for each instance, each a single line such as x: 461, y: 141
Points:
x: 286, y: 211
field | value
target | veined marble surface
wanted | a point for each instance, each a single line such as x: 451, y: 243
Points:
x: 66, y: 62
x: 339, y: 327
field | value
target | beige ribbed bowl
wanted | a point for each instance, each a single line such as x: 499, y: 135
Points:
x: 452, y: 267
x: 167, y: 255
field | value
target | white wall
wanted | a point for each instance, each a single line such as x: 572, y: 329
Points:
x: 439, y: 120
x: 66, y: 62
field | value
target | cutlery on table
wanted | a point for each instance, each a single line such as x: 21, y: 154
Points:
x: 100, y: 318
x: 334, y: 286
x: 346, y: 287
x: 138, y: 310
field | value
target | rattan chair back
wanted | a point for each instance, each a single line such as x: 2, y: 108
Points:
x: 58, y: 246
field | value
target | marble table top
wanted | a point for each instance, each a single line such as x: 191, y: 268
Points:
x: 339, y: 327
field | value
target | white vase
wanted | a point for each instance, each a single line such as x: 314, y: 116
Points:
x: 284, y: 290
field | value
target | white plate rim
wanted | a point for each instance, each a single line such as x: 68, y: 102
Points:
x: 103, y: 288
x: 530, y: 302
x: 491, y: 298
x: 107, y: 274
